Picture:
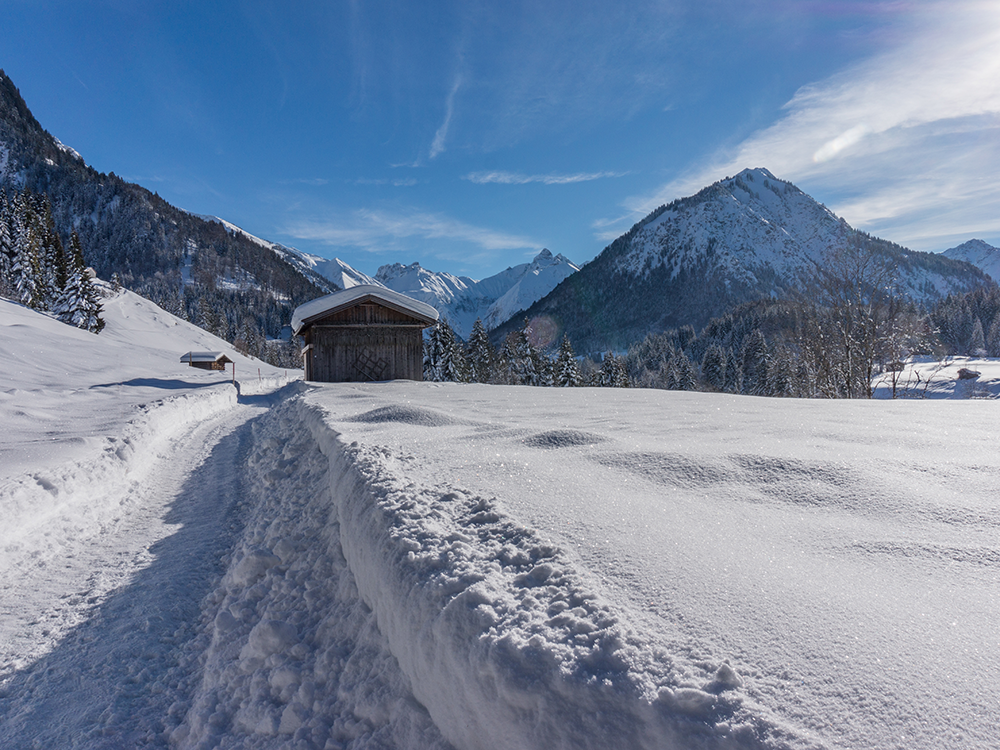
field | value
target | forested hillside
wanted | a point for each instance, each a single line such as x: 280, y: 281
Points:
x: 198, y: 269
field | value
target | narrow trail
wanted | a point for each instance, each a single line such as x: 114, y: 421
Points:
x: 99, y: 633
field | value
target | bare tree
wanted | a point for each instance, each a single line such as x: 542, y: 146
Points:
x: 857, y: 313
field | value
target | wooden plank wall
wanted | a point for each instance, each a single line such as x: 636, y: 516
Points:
x: 363, y: 343
x: 352, y: 355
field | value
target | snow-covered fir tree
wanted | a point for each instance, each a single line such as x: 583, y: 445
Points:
x: 755, y: 356
x: 713, y: 367
x: 687, y: 377
x: 613, y: 372
x: 444, y: 359
x: 82, y: 301
x: 993, y: 337
x: 481, y: 355
x: 566, y: 372
x: 734, y: 372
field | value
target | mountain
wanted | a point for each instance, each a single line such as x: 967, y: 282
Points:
x: 740, y: 239
x: 461, y: 300
x: 203, y: 269
x: 438, y: 289
x: 500, y: 297
x: 978, y: 253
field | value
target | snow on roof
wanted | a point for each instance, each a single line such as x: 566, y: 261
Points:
x: 204, y: 357
x: 331, y: 303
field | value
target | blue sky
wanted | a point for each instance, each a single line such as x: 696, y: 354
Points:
x: 469, y: 135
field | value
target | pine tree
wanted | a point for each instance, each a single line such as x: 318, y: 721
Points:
x: 433, y: 354
x: 7, y: 282
x: 755, y: 356
x: 687, y: 378
x: 993, y: 338
x: 734, y: 372
x: 713, y: 367
x: 452, y: 365
x: 520, y: 357
x: 779, y: 373
x: 482, y: 357
x: 977, y: 341
x: 546, y: 370
x: 83, y: 306
x: 567, y: 370
x: 613, y: 373
x: 28, y: 261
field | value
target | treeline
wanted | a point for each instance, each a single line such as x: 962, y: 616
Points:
x: 969, y: 324
x: 814, y: 349
x: 519, y: 361
x: 37, y: 270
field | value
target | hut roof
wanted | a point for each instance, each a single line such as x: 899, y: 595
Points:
x: 332, y: 303
x: 205, y: 357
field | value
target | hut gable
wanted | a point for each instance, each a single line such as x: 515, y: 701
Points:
x: 361, y: 334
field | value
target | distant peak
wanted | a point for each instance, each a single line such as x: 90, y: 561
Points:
x: 545, y: 254
x: 975, y: 245
x: 752, y: 175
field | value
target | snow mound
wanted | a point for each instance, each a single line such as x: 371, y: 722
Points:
x: 405, y: 415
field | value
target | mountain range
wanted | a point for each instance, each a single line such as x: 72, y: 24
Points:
x: 740, y: 239
x: 737, y: 240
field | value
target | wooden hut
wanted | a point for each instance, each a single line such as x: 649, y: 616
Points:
x: 361, y: 334
x: 206, y: 360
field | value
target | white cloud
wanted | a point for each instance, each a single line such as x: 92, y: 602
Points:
x: 514, y: 178
x: 894, y: 140
x: 374, y: 229
x: 437, y: 147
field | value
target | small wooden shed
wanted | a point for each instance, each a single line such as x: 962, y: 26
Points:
x: 206, y: 360
x: 362, y: 334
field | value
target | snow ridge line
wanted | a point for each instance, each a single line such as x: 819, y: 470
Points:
x: 85, y: 490
x: 501, y: 641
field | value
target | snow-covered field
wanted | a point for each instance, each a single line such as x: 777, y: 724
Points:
x: 927, y: 377
x: 420, y: 565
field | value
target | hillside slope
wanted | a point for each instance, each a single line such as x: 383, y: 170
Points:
x: 202, y: 269
x: 740, y: 239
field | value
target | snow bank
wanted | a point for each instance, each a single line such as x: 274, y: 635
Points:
x: 290, y: 653
x: 72, y: 498
x: 494, y: 630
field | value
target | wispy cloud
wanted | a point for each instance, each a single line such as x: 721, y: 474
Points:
x: 514, y: 178
x: 374, y: 229
x: 894, y: 139
x: 311, y: 181
x: 437, y: 146
x: 397, y: 182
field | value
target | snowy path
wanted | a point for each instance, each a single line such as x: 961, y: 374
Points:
x: 109, y: 611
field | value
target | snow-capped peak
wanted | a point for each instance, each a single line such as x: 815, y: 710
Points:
x: 980, y: 254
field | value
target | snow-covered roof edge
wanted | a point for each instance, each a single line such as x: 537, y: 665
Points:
x: 203, y: 356
x: 323, y: 306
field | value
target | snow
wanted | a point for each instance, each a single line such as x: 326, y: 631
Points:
x: 978, y: 253
x: 434, y: 566
x: 927, y: 377
x: 329, y: 303
x: 754, y: 227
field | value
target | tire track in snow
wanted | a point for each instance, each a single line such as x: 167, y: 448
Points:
x: 105, y: 626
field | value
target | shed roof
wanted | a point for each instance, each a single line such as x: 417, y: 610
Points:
x: 205, y: 357
x: 331, y: 303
